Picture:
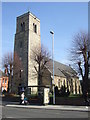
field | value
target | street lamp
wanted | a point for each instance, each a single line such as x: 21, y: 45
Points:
x: 89, y: 67
x: 21, y: 73
x: 22, y: 83
x: 53, y: 64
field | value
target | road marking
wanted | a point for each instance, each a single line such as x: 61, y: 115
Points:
x: 9, y: 117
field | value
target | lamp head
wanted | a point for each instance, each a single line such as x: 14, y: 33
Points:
x: 51, y: 32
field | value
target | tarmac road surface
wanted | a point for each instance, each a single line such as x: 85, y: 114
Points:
x: 11, y: 112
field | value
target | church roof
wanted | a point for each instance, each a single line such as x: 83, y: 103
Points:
x: 61, y: 69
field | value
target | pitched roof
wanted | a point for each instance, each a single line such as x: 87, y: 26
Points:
x: 61, y: 69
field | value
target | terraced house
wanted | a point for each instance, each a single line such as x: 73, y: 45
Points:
x: 28, y: 37
x: 3, y: 81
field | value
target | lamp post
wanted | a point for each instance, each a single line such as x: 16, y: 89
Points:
x: 21, y: 73
x: 22, y: 82
x: 89, y: 65
x: 53, y: 65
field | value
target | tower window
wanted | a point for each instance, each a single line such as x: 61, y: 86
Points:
x: 34, y: 27
x: 23, y: 26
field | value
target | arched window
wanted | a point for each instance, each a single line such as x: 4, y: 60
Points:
x: 59, y: 83
x: 71, y: 86
x: 34, y: 27
x: 76, y: 87
x: 67, y: 84
x: 23, y: 26
x: 64, y: 83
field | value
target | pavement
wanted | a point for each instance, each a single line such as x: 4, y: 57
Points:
x: 50, y: 107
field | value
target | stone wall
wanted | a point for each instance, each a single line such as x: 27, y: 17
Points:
x: 33, y: 45
x: 21, y: 50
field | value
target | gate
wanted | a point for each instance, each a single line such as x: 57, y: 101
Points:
x: 40, y: 97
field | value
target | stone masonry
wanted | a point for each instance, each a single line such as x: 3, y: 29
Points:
x: 27, y: 39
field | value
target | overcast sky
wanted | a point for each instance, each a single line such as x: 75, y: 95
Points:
x: 65, y: 18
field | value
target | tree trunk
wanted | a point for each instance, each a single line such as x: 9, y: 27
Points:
x: 39, y: 78
x: 85, y: 82
x: 10, y: 80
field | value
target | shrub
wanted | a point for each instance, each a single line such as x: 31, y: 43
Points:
x: 62, y: 92
x: 56, y: 91
x: 4, y: 92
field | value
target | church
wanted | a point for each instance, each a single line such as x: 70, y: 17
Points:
x: 28, y: 37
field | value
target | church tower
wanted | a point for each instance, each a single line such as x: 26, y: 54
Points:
x: 27, y: 38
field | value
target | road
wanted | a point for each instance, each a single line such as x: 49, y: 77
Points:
x: 11, y: 112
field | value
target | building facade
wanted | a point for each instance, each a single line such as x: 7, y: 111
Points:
x: 27, y: 39
x: 63, y: 76
x: 3, y: 81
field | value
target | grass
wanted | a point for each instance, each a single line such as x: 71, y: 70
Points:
x: 32, y: 96
x: 71, y: 96
x: 75, y: 95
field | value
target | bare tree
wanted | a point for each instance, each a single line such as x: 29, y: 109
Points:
x: 17, y: 72
x: 41, y: 57
x: 17, y: 66
x: 8, y: 65
x: 9, y: 61
x: 80, y: 56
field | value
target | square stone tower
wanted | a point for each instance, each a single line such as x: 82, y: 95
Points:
x: 27, y: 38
